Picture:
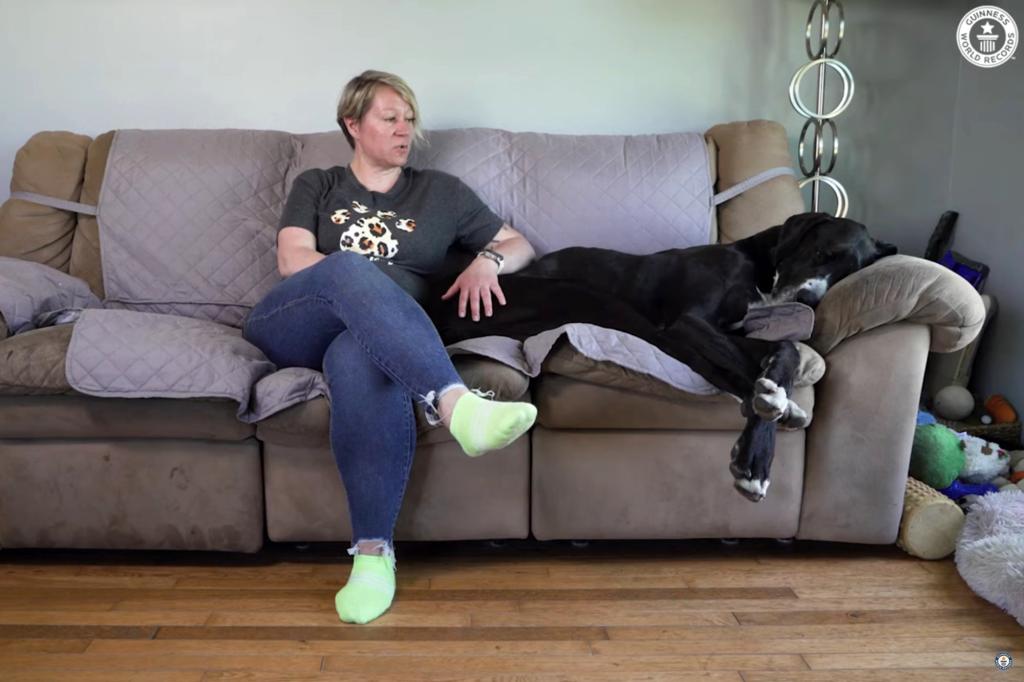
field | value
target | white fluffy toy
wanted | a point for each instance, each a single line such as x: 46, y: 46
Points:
x: 990, y: 550
x: 985, y: 460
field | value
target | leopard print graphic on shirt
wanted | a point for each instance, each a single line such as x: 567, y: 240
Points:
x: 370, y: 235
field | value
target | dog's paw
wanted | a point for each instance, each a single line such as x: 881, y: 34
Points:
x: 795, y: 417
x: 770, y: 400
x: 746, y: 483
x: 753, y: 490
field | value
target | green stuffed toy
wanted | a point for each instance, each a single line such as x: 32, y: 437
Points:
x: 937, y: 456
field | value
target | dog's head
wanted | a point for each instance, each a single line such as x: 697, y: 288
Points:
x: 816, y: 250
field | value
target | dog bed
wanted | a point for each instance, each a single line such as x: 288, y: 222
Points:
x: 990, y: 550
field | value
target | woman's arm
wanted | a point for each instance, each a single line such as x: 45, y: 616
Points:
x: 479, y: 280
x: 296, y: 250
x: 518, y: 252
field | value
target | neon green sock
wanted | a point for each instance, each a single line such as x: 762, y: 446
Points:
x: 369, y: 591
x: 480, y: 425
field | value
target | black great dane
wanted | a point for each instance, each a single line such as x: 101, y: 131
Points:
x: 690, y: 303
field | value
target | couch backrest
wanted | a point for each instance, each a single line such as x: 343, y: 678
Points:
x: 617, y: 191
x: 638, y: 194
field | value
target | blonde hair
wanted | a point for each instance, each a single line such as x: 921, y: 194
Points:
x: 357, y: 97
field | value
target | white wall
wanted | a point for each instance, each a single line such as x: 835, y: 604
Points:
x: 583, y: 66
x: 603, y: 66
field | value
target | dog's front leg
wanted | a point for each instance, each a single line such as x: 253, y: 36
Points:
x: 752, y: 455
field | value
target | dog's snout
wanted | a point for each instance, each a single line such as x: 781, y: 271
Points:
x: 808, y: 297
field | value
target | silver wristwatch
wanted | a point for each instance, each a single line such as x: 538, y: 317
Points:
x: 493, y: 255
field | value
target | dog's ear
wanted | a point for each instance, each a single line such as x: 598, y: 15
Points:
x: 883, y: 249
x: 793, y: 231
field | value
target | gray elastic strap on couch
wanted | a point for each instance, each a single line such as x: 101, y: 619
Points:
x: 719, y: 198
x: 752, y: 181
x: 54, y: 202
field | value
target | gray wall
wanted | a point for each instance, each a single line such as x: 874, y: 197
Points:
x: 925, y: 133
x: 987, y: 189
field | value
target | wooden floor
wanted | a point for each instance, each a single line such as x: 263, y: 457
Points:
x: 524, y: 611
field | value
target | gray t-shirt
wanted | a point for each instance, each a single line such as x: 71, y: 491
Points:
x: 406, y: 231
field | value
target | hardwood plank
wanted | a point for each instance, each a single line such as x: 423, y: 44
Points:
x: 909, y: 660
x: 104, y: 676
x: 582, y: 665
x: 865, y: 616
x: 50, y: 600
x: 722, y: 579
x: 69, y: 617
x: 326, y: 617
x: 546, y: 614
x: 136, y: 663
x: 343, y: 647
x: 742, y: 643
x: 77, y: 631
x: 950, y: 628
x: 312, y: 581
x: 43, y: 646
x: 675, y: 676
x: 47, y: 581
x: 385, y: 633
x: 934, y: 675
x: 591, y: 595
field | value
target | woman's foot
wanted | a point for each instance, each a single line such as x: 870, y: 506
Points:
x: 480, y: 425
x: 370, y: 589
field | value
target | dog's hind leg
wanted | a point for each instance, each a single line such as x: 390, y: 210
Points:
x: 774, y: 386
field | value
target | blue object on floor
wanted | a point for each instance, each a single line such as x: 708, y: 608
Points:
x: 925, y: 418
x: 958, y: 489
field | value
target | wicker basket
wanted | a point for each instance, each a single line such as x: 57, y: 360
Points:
x: 1007, y: 435
x: 931, y: 522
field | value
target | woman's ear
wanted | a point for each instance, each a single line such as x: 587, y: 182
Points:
x: 352, y: 126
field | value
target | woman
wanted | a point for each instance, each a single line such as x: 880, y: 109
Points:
x: 353, y: 245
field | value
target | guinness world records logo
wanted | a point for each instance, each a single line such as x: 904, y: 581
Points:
x: 987, y: 36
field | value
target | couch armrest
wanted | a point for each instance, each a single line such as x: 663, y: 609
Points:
x: 900, y: 288
x: 29, y: 289
x: 858, y: 446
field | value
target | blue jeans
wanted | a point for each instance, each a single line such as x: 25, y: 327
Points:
x: 377, y: 349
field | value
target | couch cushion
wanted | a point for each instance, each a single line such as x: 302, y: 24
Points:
x: 746, y: 148
x: 51, y: 164
x: 81, y: 416
x: 32, y: 363
x: 565, y: 403
x: 85, y: 249
x: 307, y: 424
x: 131, y: 494
x: 580, y: 190
x: 566, y: 361
x: 189, y: 219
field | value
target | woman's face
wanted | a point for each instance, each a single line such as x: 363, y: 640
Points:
x: 383, y: 135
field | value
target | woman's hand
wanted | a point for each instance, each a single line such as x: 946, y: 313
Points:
x: 475, y: 285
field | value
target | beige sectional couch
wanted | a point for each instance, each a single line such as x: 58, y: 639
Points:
x: 614, y: 454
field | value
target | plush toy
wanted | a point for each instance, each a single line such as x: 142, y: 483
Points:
x: 1000, y: 409
x: 953, y: 402
x: 937, y: 456
x: 983, y: 460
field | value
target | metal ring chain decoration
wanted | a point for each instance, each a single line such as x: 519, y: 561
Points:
x: 818, y: 119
